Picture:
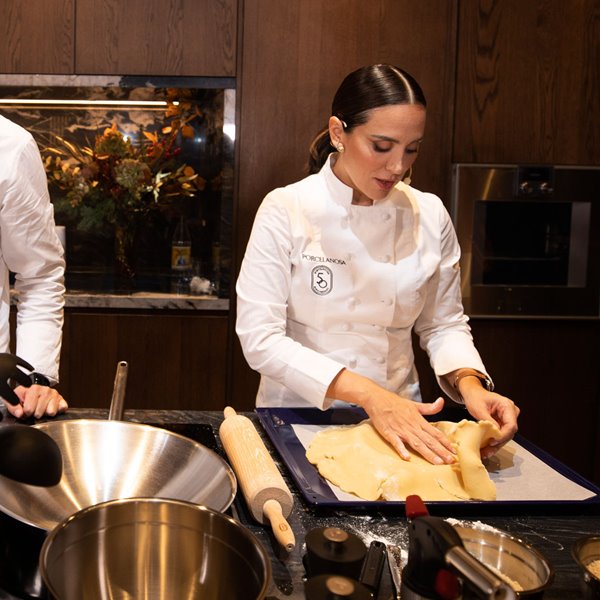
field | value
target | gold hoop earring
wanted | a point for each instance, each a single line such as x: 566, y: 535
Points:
x: 407, y: 177
x: 340, y: 147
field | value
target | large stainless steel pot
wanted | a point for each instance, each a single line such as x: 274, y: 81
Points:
x: 108, y: 460
x: 152, y: 549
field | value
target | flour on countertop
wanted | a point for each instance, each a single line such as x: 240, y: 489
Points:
x: 472, y: 524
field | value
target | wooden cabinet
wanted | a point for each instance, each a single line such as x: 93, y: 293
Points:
x: 527, y: 82
x: 153, y: 37
x: 37, y: 36
x: 176, y: 358
x: 119, y: 37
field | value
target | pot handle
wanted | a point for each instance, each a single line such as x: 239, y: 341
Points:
x: 117, y: 403
x: 486, y: 582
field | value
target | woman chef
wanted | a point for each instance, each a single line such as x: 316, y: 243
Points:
x: 342, y: 266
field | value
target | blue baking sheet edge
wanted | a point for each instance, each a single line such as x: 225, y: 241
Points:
x: 278, y: 425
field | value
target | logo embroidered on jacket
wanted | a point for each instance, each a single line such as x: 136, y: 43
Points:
x: 321, y: 280
x: 313, y: 258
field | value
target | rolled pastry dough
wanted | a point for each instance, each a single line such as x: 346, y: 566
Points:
x: 359, y: 461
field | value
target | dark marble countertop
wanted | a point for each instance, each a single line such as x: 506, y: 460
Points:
x: 552, y: 534
x: 144, y: 300
x: 140, y: 300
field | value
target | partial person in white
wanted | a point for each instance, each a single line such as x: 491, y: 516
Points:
x: 31, y: 249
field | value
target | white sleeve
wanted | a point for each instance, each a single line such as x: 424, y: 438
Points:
x: 442, y: 326
x: 263, y: 288
x: 32, y: 250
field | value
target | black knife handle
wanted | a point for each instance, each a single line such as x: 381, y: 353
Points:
x: 372, y: 567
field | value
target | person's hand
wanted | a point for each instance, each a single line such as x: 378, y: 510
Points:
x: 37, y: 401
x: 490, y: 406
x: 401, y: 423
x: 398, y: 420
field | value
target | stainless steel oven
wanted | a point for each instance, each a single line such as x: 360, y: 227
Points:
x: 530, y: 239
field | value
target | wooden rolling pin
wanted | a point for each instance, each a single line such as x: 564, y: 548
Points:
x: 265, y: 491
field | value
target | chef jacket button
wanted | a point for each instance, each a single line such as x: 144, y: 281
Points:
x: 345, y: 326
x: 389, y: 301
x: 380, y: 360
x: 351, y: 303
x: 352, y: 362
x: 386, y: 258
x: 386, y: 216
x: 378, y: 327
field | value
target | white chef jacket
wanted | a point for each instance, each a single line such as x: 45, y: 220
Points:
x: 30, y: 248
x: 326, y: 284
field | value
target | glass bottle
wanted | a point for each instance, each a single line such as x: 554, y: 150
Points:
x: 181, y: 247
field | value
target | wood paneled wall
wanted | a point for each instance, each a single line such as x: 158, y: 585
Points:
x: 153, y: 37
x: 37, y: 36
x: 118, y: 37
x: 528, y: 84
x: 295, y: 54
x: 176, y: 359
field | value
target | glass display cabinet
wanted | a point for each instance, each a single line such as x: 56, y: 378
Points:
x: 190, y: 121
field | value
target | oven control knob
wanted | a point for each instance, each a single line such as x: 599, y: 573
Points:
x: 525, y: 187
x: 546, y: 188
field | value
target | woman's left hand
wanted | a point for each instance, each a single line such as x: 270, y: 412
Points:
x: 490, y: 406
x: 37, y: 401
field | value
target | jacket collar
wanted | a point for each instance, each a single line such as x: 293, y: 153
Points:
x: 342, y: 193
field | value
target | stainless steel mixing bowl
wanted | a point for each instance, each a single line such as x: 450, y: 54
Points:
x: 153, y: 549
x: 511, y: 557
x: 111, y: 460
x: 586, y: 551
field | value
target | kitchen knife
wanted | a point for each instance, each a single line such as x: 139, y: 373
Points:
x: 396, y: 563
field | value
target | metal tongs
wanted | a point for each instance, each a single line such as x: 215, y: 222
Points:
x: 437, y: 558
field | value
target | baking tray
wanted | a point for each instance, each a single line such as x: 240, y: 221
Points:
x: 279, y: 423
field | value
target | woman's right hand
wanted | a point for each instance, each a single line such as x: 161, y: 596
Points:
x: 398, y: 420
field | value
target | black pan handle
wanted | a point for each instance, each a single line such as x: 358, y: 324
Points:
x: 9, y: 370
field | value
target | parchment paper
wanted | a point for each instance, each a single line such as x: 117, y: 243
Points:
x: 518, y: 474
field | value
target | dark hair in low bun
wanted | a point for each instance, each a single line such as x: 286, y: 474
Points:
x: 361, y: 91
